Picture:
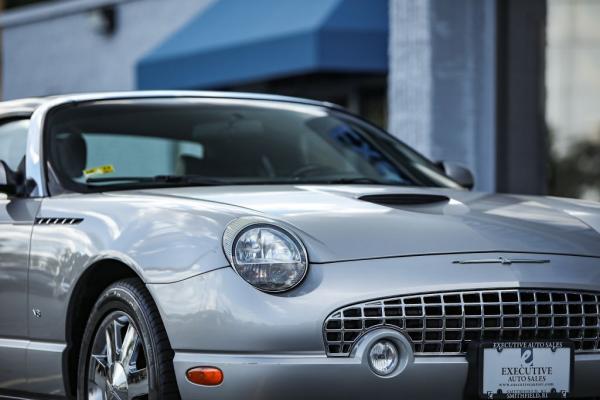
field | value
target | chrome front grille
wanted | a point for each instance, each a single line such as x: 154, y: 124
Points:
x: 444, y: 323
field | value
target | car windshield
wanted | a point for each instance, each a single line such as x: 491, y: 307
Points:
x: 114, y: 145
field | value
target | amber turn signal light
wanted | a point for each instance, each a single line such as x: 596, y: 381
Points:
x: 207, y: 376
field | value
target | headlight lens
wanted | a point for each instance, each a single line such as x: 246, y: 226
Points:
x: 268, y: 257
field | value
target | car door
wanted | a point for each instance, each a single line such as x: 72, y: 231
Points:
x: 17, y: 216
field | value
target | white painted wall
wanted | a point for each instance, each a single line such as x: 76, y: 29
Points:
x: 410, y: 78
x: 441, y: 87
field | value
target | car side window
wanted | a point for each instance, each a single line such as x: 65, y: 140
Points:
x: 13, y: 142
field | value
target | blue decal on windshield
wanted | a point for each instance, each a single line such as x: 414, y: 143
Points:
x: 347, y: 136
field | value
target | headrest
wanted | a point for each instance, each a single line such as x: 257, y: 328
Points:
x: 71, y: 154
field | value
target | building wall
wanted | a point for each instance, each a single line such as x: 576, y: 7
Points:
x: 442, y: 81
x: 46, y: 52
x: 573, y: 97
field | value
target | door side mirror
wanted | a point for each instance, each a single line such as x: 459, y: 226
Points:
x: 8, y: 180
x: 458, y: 173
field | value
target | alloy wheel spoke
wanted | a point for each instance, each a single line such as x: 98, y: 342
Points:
x: 116, y: 328
x: 96, y: 392
x: 138, y: 383
x: 113, y: 341
x: 101, y: 363
x: 98, y: 383
x: 130, y: 346
x: 110, y: 349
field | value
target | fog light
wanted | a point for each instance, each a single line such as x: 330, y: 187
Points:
x: 383, y: 357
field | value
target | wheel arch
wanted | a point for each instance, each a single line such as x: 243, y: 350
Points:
x: 92, y: 282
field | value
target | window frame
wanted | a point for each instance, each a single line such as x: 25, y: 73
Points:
x: 7, y: 120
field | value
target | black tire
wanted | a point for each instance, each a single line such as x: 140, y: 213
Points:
x: 131, y: 297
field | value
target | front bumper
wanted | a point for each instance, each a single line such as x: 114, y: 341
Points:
x: 277, y: 377
x: 272, y: 346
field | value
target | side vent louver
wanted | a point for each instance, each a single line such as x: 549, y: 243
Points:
x: 58, y: 221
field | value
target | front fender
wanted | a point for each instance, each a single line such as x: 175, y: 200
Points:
x: 162, y: 240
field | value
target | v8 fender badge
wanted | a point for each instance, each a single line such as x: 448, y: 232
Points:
x: 503, y: 261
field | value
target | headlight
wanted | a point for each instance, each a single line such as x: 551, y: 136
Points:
x: 265, y: 255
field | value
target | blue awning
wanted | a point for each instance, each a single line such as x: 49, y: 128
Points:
x: 241, y: 41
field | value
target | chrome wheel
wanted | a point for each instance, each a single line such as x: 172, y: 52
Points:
x: 117, y: 365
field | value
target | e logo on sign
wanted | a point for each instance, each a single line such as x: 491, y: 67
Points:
x: 527, y: 356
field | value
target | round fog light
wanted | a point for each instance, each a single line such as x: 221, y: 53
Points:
x: 383, y: 357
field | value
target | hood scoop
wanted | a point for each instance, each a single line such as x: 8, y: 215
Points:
x: 405, y: 199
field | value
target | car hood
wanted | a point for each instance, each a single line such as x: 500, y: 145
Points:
x: 339, y: 223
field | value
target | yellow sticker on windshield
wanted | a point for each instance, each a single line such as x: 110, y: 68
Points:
x: 102, y: 170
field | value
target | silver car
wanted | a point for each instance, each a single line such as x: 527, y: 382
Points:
x: 164, y: 245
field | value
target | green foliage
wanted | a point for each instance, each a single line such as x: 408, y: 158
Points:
x: 577, y: 173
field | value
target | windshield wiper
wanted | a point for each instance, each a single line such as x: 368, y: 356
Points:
x: 199, y: 180
x: 161, y: 179
x: 133, y: 179
x: 358, y: 180
x: 190, y: 179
